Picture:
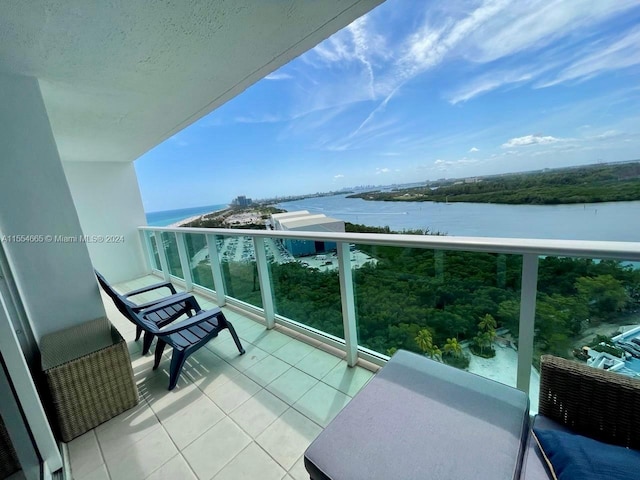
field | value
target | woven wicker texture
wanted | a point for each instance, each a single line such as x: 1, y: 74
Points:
x: 93, y: 388
x: 8, y: 460
x: 592, y: 402
x: 65, y: 345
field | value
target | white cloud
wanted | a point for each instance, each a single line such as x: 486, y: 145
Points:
x: 360, y: 35
x: 497, y: 79
x: 369, y: 63
x: 606, y: 135
x: 382, y: 170
x: 278, y: 76
x: 601, y: 56
x: 536, y: 23
x: 473, y: 150
x: 267, y: 118
x: 529, y: 140
x: 338, y: 176
x: 178, y: 139
x: 445, y: 164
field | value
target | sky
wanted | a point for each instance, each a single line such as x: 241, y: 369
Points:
x: 417, y: 91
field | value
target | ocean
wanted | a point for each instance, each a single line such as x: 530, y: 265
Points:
x: 168, y: 217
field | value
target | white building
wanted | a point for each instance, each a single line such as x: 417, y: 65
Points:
x: 303, y: 221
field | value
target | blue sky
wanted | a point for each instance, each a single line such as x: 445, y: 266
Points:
x: 419, y: 90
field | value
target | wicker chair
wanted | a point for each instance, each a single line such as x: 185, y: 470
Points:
x: 591, y: 402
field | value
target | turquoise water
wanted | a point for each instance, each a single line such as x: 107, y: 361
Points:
x: 168, y: 217
x: 632, y: 365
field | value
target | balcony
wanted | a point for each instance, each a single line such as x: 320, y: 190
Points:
x: 230, y: 416
x: 271, y: 403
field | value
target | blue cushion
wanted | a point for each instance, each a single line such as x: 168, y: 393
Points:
x: 574, y: 457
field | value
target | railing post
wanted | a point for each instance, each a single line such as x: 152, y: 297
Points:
x: 162, y: 253
x: 148, y: 250
x: 265, y: 282
x: 216, y: 270
x: 348, y: 302
x: 185, y: 264
x: 528, y: 294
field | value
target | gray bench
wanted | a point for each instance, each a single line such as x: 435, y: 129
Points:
x: 419, y: 419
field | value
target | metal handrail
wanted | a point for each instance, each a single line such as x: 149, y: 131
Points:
x: 518, y: 246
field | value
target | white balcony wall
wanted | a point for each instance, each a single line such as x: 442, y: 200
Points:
x: 109, y: 206
x: 55, y: 280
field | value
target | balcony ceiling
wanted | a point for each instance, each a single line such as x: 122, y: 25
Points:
x: 119, y: 77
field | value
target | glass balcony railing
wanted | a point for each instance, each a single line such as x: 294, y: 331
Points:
x: 170, y: 248
x: 443, y: 304
x: 153, y: 245
x: 199, y: 262
x: 239, y: 269
x: 306, y: 290
x: 492, y: 306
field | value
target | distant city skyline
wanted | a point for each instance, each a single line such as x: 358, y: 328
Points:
x: 417, y: 91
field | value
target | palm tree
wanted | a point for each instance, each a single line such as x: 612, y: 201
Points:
x: 424, y: 340
x: 487, y: 323
x: 453, y: 347
x: 483, y: 340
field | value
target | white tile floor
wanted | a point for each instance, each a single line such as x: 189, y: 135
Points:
x: 230, y: 417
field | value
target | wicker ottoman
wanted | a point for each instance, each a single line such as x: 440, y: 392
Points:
x: 8, y: 458
x: 89, y: 374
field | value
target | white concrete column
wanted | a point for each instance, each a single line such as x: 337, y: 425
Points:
x: 109, y: 205
x: 55, y: 280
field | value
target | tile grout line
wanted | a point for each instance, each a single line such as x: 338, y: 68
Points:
x: 289, y: 406
x: 104, y: 459
x: 179, y: 452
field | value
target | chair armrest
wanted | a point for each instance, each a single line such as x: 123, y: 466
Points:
x: 590, y: 401
x: 173, y: 300
x: 149, y: 288
x: 176, y: 297
x: 189, y: 322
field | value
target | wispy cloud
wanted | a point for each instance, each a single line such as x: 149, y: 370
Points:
x: 366, y: 66
x: 278, y: 76
x: 608, y: 134
x: 338, y: 176
x: 496, y: 79
x: 382, y: 170
x: 473, y: 150
x: 266, y: 118
x: 530, y: 140
x: 622, y: 52
x: 526, y: 26
x: 443, y: 165
x: 179, y: 140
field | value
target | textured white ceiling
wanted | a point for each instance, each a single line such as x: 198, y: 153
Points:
x: 119, y: 77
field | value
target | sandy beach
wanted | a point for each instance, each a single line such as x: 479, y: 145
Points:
x: 503, y: 368
x: 194, y: 218
x: 186, y: 220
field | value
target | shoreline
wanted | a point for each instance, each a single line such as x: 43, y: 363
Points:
x: 182, y: 222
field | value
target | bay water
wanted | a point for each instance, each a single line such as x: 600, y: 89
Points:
x: 613, y: 221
